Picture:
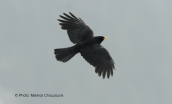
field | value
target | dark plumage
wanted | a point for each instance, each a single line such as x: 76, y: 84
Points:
x: 89, y: 47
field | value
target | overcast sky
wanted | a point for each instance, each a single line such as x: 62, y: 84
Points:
x: 140, y: 42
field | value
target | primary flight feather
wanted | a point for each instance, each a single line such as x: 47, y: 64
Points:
x: 86, y: 44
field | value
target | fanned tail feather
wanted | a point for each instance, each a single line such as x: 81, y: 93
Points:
x: 64, y: 54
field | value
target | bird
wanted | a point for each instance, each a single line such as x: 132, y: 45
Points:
x: 86, y: 44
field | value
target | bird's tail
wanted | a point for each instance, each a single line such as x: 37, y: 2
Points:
x: 65, y: 54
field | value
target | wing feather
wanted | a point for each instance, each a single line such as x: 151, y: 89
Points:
x: 100, y: 58
x: 77, y: 30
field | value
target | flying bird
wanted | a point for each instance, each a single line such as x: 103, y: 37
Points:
x: 86, y: 44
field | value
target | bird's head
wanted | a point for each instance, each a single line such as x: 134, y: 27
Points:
x: 100, y: 38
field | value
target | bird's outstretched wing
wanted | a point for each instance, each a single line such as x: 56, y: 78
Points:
x: 77, y: 30
x: 100, y: 58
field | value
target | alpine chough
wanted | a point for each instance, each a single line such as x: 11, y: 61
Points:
x: 86, y: 44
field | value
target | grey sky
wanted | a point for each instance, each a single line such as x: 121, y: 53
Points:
x: 140, y: 42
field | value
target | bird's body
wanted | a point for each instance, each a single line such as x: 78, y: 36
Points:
x: 91, y: 41
x: 89, y: 47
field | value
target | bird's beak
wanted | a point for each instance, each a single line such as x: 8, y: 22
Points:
x: 105, y: 38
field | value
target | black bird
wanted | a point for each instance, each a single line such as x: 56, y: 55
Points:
x: 88, y: 46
